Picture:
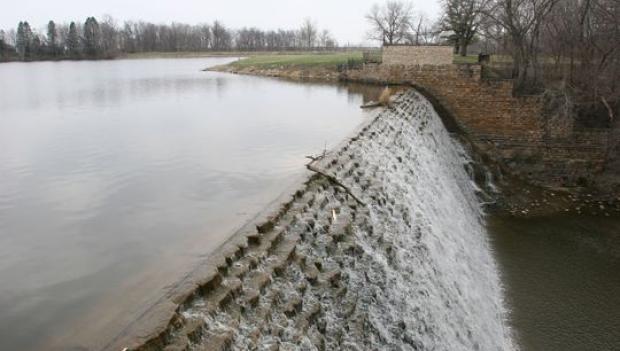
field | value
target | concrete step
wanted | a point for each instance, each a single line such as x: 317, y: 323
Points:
x: 218, y: 298
x: 191, y: 332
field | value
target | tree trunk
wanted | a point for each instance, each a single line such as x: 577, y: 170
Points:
x: 521, y: 63
x: 463, y: 47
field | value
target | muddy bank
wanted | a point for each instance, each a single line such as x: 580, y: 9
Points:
x: 518, y: 199
x: 507, y: 195
x: 355, y: 260
x: 319, y: 74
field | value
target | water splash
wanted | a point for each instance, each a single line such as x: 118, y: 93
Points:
x: 427, y: 276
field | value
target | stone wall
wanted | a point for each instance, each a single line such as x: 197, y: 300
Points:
x: 511, y: 130
x: 417, y: 55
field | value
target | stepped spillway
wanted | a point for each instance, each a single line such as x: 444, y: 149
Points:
x: 389, y: 252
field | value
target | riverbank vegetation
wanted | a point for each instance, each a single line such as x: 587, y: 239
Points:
x: 549, y: 43
x: 545, y: 44
x: 106, y: 38
x: 334, y: 60
x: 568, y: 51
x: 565, y: 50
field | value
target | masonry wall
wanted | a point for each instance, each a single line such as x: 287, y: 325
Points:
x: 417, y: 55
x: 511, y: 130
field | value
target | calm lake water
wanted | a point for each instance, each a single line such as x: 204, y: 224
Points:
x: 562, y: 280
x: 117, y: 177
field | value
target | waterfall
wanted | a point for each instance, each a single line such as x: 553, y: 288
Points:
x: 385, y: 249
x: 427, y: 277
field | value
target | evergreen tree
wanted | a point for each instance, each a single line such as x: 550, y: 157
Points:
x: 28, y: 41
x: 52, y: 38
x: 92, y: 37
x: 73, y: 44
x: 3, y: 45
x: 20, y: 41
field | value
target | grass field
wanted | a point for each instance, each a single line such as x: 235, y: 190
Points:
x: 275, y: 59
x: 316, y: 59
x: 299, y: 60
x: 465, y: 59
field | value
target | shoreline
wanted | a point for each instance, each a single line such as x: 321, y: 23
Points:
x: 175, y: 54
x: 290, y: 73
x: 519, y: 198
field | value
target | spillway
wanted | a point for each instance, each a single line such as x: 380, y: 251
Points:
x: 384, y: 248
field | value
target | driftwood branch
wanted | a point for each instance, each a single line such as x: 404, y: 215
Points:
x: 371, y: 104
x: 319, y: 157
x: 335, y: 181
x: 315, y: 158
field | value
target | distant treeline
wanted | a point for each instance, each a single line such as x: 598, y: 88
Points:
x: 106, y: 39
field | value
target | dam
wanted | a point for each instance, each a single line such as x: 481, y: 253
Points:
x: 384, y: 247
x: 384, y: 242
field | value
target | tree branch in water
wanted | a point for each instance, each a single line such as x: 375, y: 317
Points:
x: 335, y: 181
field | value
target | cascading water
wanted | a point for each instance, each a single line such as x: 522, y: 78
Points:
x: 428, y: 279
x: 385, y: 251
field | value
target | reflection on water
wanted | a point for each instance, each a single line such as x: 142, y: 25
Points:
x: 562, y: 277
x: 118, y: 176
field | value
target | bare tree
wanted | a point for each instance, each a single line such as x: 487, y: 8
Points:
x: 109, y: 36
x: 308, y: 33
x: 419, y: 31
x: 390, y: 23
x: 222, y: 39
x: 326, y: 40
x: 522, y: 21
x: 464, y: 18
x: 583, y: 38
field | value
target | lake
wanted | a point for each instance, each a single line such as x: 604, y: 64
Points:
x: 118, y: 177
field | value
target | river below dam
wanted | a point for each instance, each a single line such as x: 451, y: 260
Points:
x: 119, y: 177
x: 562, y: 281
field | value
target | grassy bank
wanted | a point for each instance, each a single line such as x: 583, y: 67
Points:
x: 302, y: 60
x: 313, y: 60
x: 297, y: 66
x: 304, y: 65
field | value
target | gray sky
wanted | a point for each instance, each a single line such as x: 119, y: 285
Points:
x: 345, y: 18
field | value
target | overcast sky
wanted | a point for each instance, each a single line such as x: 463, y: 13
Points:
x: 345, y: 18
